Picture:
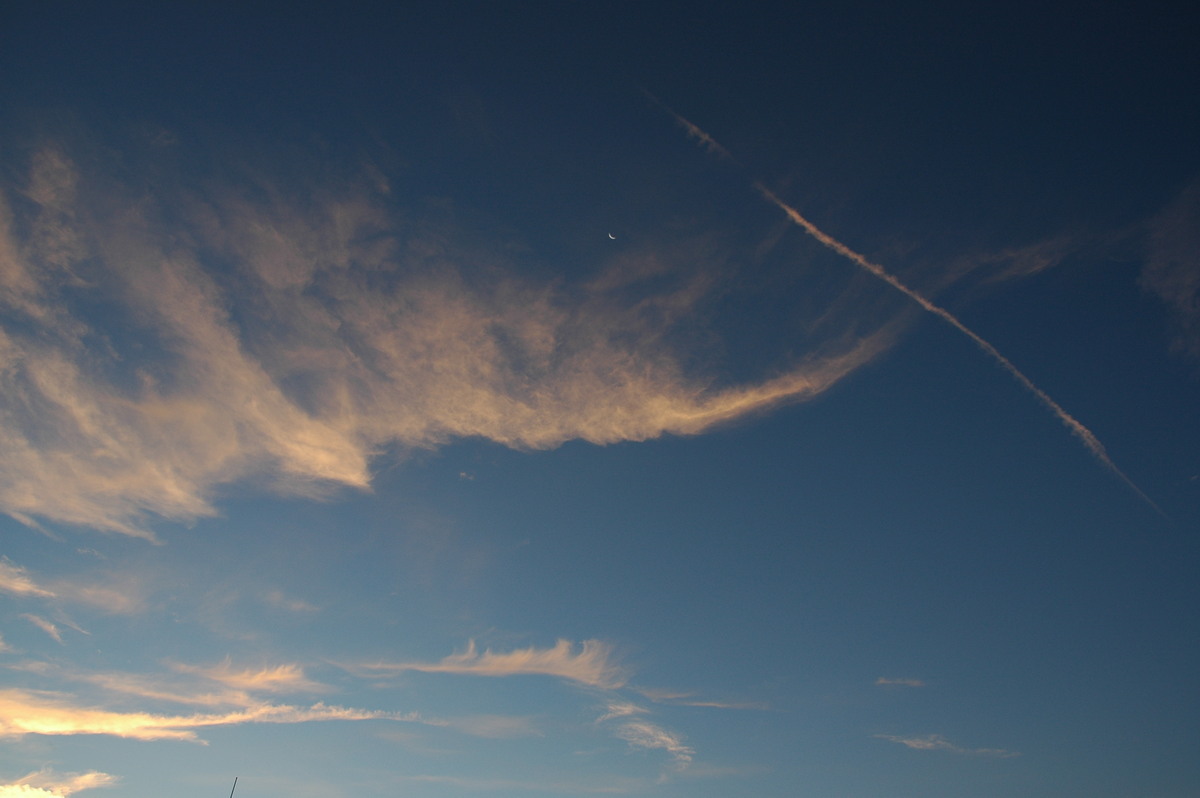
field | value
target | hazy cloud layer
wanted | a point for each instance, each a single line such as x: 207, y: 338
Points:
x: 157, y: 343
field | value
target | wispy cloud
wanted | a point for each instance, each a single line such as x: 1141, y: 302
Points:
x: 646, y: 735
x: 24, y: 712
x: 936, y: 742
x: 221, y: 685
x: 287, y: 678
x: 16, y: 580
x: 494, y: 726
x: 45, y: 625
x: 685, y: 699
x: 888, y: 682
x: 593, y: 664
x: 48, y: 784
x: 1084, y: 434
x: 708, y: 142
x: 639, y: 732
x: 136, y: 377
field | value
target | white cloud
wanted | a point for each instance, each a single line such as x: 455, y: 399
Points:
x: 592, y: 665
x: 620, y: 709
x: 884, y: 681
x: 685, y: 699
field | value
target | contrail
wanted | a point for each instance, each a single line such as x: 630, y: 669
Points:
x: 707, y: 141
x: 1078, y: 429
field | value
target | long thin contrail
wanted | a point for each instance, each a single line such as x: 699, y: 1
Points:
x: 1078, y: 429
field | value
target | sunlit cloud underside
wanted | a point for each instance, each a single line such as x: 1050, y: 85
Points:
x: 158, y: 343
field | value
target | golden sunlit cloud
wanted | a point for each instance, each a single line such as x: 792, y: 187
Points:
x: 25, y: 712
x: 48, y: 784
x: 135, y: 378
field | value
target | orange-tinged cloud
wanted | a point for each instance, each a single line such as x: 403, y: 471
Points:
x: 25, y: 712
x: 48, y: 784
x: 336, y: 328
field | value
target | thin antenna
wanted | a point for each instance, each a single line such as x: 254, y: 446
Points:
x: 234, y: 787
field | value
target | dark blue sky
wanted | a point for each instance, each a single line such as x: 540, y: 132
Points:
x: 405, y: 400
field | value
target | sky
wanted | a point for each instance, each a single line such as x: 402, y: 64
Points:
x: 655, y: 399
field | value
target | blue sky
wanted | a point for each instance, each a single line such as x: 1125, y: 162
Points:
x: 640, y: 399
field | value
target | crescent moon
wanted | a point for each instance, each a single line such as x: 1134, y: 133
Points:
x: 613, y: 237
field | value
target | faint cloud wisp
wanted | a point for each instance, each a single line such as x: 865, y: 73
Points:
x: 936, y: 742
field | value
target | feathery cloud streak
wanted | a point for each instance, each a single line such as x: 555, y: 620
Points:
x: 936, y: 742
x: 1088, y: 438
x: 24, y: 712
x: 16, y: 580
x: 158, y: 342
x: 591, y: 665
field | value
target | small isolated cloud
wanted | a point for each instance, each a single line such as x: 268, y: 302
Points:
x: 48, y: 784
x: 592, y: 664
x: 936, y: 742
x: 24, y: 712
x: 884, y: 681
x: 16, y: 580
